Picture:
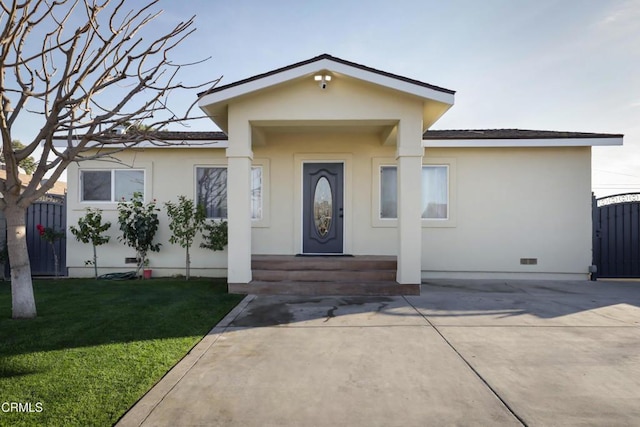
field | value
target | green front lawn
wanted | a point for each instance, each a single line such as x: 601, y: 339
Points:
x: 98, y: 346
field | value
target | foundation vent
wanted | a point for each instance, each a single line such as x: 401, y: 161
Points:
x: 528, y: 261
x: 132, y: 260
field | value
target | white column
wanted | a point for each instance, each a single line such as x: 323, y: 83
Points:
x: 239, y: 157
x: 409, y: 157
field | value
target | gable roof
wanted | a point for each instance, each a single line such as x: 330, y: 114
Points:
x: 215, y: 101
x: 331, y: 58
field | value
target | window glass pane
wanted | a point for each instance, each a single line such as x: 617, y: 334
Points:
x: 127, y: 183
x: 211, y: 188
x: 256, y: 192
x: 435, y: 192
x: 96, y: 185
x: 388, y: 192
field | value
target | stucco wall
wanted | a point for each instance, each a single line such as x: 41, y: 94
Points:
x: 169, y: 172
x: 515, y: 203
x: 287, y: 152
x: 505, y: 204
x: 345, y: 99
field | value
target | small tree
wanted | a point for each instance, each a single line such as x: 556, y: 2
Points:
x: 139, y: 224
x: 186, y: 221
x: 89, y: 230
x: 215, y: 235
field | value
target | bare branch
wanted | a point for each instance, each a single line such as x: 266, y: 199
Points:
x: 85, y: 67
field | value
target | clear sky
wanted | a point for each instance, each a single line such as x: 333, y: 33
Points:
x: 531, y: 64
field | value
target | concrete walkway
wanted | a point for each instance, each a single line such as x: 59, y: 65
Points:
x: 462, y: 353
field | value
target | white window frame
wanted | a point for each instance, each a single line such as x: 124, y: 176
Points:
x: 113, y: 184
x: 379, y: 212
x: 261, y: 207
x: 448, y: 192
x: 195, y: 184
x: 263, y: 221
x: 376, y: 200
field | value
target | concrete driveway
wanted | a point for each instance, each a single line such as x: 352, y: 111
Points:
x: 463, y: 353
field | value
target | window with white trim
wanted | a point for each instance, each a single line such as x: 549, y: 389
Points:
x: 256, y: 193
x: 211, y: 191
x: 435, y: 192
x: 110, y: 185
x: 388, y: 192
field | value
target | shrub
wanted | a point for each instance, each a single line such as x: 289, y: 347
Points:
x: 139, y: 224
x: 89, y: 230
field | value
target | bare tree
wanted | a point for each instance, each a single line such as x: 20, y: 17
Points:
x: 83, y: 69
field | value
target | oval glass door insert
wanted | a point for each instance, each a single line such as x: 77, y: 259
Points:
x: 322, y: 206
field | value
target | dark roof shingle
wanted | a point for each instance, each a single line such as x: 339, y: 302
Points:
x: 165, y: 135
x: 511, y: 134
x: 332, y: 58
x: 430, y: 134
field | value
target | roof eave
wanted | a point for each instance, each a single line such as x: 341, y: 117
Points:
x: 252, y: 85
x: 523, y: 142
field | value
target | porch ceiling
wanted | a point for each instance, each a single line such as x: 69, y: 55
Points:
x: 382, y: 129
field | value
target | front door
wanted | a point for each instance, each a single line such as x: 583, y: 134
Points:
x: 322, y: 208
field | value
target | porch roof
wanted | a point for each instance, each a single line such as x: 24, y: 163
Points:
x: 330, y: 58
x: 215, y: 101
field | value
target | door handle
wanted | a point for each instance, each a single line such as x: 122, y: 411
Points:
x: 341, y: 215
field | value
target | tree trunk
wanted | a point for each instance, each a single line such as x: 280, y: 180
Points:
x: 23, y: 301
x: 95, y: 262
x: 188, y: 264
x: 142, y: 258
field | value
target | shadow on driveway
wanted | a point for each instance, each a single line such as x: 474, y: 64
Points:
x: 523, y: 301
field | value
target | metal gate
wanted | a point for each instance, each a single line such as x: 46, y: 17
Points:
x: 616, y: 236
x: 49, y: 211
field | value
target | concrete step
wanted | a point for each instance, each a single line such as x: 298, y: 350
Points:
x: 288, y: 262
x: 324, y: 288
x: 324, y: 275
x: 319, y: 275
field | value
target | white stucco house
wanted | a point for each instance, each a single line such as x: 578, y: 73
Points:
x: 329, y: 157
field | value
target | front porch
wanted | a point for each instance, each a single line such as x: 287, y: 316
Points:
x: 324, y: 275
x: 321, y: 150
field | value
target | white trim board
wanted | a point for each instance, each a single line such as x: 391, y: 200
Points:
x: 521, y: 142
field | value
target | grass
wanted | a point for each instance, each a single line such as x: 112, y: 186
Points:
x: 97, y: 346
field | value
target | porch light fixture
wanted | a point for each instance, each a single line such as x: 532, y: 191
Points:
x: 322, y: 80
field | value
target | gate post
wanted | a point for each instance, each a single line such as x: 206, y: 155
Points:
x: 595, y: 238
